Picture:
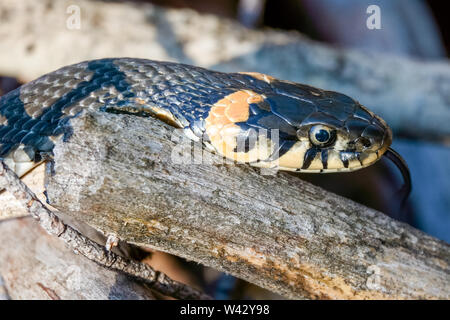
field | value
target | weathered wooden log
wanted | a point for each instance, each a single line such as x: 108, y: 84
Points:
x: 36, y: 265
x: 102, y: 252
x: 277, y: 231
x: 40, y: 36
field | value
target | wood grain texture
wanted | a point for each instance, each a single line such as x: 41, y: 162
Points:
x: 50, y: 221
x: 36, y: 265
x: 278, y: 232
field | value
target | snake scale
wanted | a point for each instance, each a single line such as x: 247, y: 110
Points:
x: 246, y: 117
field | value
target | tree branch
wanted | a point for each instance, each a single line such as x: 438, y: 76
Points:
x: 88, y: 248
x: 36, y: 265
x: 278, y: 232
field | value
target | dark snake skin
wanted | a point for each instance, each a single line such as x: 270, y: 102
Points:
x: 41, y: 109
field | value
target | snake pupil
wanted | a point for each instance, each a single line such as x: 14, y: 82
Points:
x: 322, y: 135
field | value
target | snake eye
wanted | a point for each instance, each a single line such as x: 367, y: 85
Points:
x: 320, y: 135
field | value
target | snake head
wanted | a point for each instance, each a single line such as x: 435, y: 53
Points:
x: 333, y: 131
x: 334, y: 143
x: 305, y: 129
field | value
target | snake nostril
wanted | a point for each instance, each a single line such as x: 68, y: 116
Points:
x: 365, y: 142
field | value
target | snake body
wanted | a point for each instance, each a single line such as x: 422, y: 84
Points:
x: 246, y: 117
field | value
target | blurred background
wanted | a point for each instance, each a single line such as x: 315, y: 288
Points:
x: 398, y: 70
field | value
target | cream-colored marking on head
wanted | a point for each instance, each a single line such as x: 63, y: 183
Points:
x: 333, y: 160
x: 316, y: 163
x: 222, y: 131
x: 294, y: 157
x: 290, y: 161
x: 259, y: 76
x: 353, y: 163
x: 369, y: 158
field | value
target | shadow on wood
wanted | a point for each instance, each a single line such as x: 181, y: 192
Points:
x: 278, y: 232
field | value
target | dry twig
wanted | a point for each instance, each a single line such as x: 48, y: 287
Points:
x: 91, y: 250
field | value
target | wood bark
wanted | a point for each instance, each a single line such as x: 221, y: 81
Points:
x: 101, y: 253
x: 147, y: 186
x: 36, y: 265
x: 40, y: 36
x: 276, y: 231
